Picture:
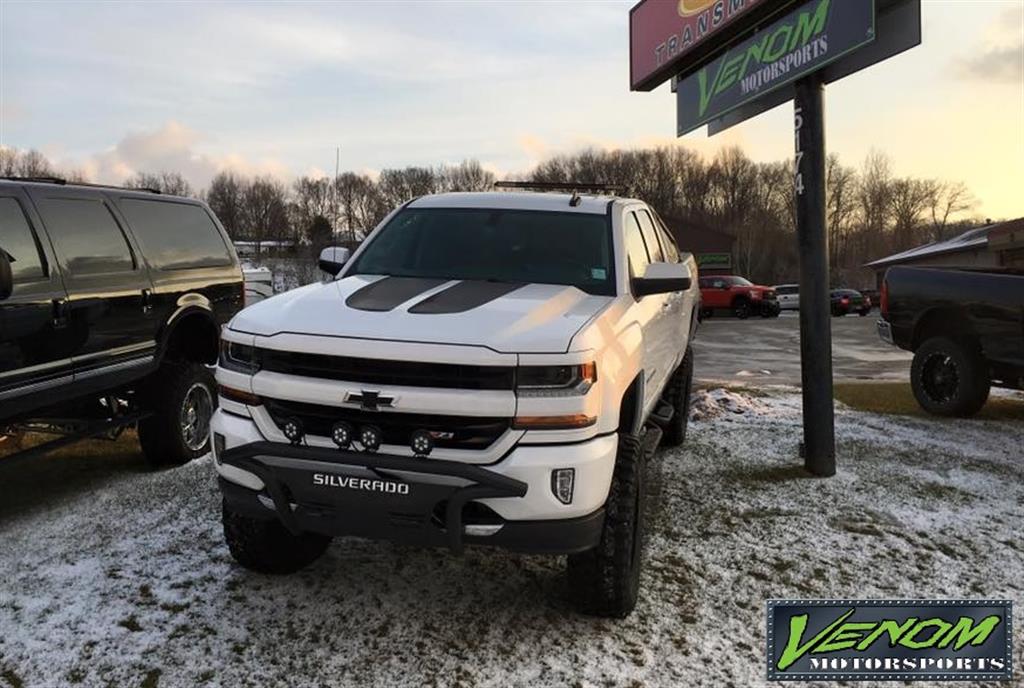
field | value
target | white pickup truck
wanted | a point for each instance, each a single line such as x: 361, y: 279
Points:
x: 486, y: 369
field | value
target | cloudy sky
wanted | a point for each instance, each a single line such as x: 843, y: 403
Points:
x: 118, y: 87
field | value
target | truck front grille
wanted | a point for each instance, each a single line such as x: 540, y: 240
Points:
x: 453, y: 432
x: 385, y: 372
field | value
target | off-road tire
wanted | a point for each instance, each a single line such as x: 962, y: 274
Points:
x: 969, y: 386
x: 741, y: 309
x: 162, y: 434
x: 678, y: 395
x: 267, y: 546
x: 605, y: 581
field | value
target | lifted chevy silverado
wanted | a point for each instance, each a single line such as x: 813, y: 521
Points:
x: 487, y: 369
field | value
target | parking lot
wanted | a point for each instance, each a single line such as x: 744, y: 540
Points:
x: 767, y: 350
x: 115, y: 575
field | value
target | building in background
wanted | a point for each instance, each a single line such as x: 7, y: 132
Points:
x: 712, y: 249
x: 993, y: 245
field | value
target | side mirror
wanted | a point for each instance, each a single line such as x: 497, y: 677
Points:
x: 662, y: 278
x: 6, y: 278
x: 333, y: 259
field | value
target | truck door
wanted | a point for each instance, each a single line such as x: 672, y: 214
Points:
x: 35, y: 352
x: 648, y: 310
x: 108, y: 286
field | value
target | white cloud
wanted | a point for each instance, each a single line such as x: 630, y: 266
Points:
x: 171, y: 147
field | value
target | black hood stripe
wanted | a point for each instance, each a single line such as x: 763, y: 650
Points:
x: 464, y: 296
x: 390, y: 292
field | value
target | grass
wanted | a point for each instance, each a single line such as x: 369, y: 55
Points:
x: 896, y: 398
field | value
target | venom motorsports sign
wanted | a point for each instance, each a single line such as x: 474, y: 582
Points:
x: 662, y: 33
x: 842, y: 640
x: 812, y: 36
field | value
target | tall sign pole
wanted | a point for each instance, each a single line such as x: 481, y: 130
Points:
x: 819, y: 450
x: 730, y: 61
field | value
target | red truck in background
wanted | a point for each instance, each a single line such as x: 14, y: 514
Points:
x: 738, y: 295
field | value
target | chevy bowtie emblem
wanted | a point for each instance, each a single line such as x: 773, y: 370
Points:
x: 369, y: 401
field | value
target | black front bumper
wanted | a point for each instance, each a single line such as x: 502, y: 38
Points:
x: 342, y: 492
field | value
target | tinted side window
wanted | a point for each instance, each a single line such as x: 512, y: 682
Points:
x: 671, y: 252
x: 636, y: 252
x: 18, y: 240
x: 668, y: 241
x: 175, y: 235
x: 650, y: 237
x: 86, y: 235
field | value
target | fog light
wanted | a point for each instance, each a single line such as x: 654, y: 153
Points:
x: 562, y: 482
x: 422, y: 443
x: 341, y: 433
x: 370, y: 437
x: 292, y: 429
x: 219, y: 444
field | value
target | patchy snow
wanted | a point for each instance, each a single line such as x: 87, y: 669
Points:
x: 130, y: 581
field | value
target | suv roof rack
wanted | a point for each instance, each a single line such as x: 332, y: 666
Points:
x: 574, y: 187
x: 64, y: 182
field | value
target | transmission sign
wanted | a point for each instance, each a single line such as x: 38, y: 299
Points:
x: 813, y: 35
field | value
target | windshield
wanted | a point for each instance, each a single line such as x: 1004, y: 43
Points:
x: 525, y: 246
x: 739, y: 281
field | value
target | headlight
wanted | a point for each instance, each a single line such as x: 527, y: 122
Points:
x: 755, y: 294
x: 555, y: 381
x: 240, y: 358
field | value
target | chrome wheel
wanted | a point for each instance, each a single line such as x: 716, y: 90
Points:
x: 196, y: 410
x: 940, y: 378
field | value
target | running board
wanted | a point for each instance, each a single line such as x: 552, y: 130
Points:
x: 662, y: 414
x: 651, y: 440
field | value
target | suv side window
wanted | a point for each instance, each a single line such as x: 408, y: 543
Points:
x: 20, y: 243
x: 636, y: 252
x: 650, y: 237
x: 86, y: 235
x: 175, y: 236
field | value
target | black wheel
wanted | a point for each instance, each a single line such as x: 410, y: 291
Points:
x: 605, y: 581
x: 267, y: 547
x: 741, y: 309
x: 949, y: 377
x: 182, y: 396
x: 678, y: 395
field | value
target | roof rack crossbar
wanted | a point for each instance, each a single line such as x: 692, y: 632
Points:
x: 574, y: 187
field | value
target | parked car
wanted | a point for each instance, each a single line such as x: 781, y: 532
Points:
x: 539, y: 366
x: 788, y: 296
x: 846, y: 301
x: 111, y: 303
x: 739, y: 296
x: 965, y: 327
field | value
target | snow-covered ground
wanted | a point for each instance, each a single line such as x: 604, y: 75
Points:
x: 129, y: 583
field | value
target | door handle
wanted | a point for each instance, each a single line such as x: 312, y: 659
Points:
x: 59, y: 311
x: 147, y: 300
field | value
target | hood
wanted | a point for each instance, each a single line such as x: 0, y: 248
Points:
x: 504, y: 317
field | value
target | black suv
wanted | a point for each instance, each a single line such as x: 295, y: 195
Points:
x: 111, y: 302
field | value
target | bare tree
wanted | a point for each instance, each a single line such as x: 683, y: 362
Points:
x: 468, y: 175
x: 946, y: 200
x: 265, y: 211
x: 226, y: 197
x: 171, y: 183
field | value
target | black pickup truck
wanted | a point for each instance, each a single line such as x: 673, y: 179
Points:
x: 111, y: 302
x: 965, y: 327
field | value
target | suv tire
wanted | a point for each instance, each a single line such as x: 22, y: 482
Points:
x: 741, y: 309
x: 678, y: 395
x: 266, y: 546
x: 605, y: 580
x: 182, y: 396
x: 949, y: 377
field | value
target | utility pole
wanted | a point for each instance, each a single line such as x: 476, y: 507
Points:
x: 819, y: 445
x: 337, y: 171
